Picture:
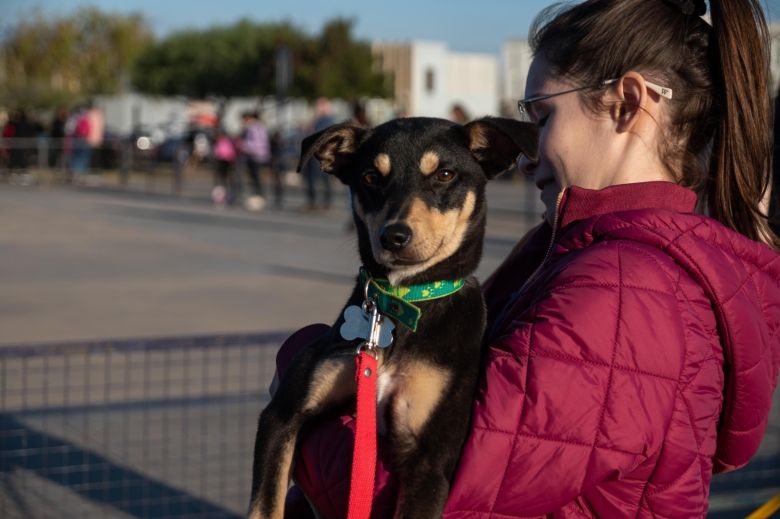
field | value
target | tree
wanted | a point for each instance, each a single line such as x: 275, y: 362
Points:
x: 223, y: 61
x: 45, y: 62
x: 240, y: 60
x: 345, y: 67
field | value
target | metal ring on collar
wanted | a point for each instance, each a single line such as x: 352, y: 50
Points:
x: 369, y: 279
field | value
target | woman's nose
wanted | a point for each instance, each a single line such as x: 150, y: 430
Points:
x: 525, y: 165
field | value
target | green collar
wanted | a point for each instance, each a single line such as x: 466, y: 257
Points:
x: 396, y: 301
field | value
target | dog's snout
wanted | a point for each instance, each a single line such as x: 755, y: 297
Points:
x: 395, y: 236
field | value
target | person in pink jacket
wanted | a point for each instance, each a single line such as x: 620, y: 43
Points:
x: 632, y: 347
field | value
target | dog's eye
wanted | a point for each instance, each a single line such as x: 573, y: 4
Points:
x: 370, y: 178
x: 445, y: 175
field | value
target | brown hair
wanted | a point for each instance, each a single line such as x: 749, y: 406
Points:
x: 718, y: 124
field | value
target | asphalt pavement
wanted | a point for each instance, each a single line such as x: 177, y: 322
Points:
x: 85, y: 263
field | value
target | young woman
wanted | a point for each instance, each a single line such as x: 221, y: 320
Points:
x: 633, y: 343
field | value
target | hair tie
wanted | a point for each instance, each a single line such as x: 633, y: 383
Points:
x: 690, y: 7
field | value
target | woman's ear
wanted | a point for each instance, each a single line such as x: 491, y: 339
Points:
x: 634, y: 98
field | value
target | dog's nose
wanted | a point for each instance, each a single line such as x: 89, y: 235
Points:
x: 395, y: 236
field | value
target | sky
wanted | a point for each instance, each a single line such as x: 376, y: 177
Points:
x: 465, y: 25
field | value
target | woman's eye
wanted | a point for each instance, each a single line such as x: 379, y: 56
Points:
x: 541, y: 122
x: 370, y: 178
x: 445, y: 175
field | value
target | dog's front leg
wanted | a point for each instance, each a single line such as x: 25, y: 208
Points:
x: 426, y: 438
x: 273, y: 457
x: 425, y: 475
x: 311, y: 387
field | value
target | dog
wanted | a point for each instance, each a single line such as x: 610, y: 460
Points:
x: 419, y: 208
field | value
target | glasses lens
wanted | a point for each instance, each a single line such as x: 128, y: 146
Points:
x: 523, y: 109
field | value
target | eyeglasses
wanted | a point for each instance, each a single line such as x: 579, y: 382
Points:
x: 524, y: 105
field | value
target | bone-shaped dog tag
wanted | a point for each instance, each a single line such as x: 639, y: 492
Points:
x: 357, y: 326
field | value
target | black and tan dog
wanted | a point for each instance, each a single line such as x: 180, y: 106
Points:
x: 418, y: 198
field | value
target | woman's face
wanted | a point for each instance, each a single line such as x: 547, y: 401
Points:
x: 573, y: 141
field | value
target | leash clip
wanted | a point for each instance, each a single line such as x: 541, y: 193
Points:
x: 371, y: 310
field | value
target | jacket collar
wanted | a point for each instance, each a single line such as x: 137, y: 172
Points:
x: 579, y: 203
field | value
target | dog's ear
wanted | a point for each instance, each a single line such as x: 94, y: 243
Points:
x: 496, y: 142
x: 332, y: 147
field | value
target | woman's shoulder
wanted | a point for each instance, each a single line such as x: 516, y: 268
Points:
x: 615, y: 264
x: 673, y: 242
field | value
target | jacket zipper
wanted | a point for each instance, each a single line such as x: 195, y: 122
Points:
x: 556, y: 219
x: 499, y: 322
x: 547, y: 254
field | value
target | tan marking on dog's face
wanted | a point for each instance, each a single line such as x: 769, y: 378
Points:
x: 332, y: 381
x: 429, y: 163
x: 382, y: 164
x: 436, y: 235
x: 421, y: 387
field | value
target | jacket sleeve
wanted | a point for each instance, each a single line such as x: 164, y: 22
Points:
x: 571, y: 396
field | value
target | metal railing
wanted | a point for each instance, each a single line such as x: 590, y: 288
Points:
x: 154, y: 428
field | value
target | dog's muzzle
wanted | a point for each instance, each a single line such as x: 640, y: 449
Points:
x: 395, y: 236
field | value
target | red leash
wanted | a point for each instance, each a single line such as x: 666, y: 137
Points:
x: 361, y: 487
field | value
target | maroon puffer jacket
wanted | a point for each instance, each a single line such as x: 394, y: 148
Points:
x: 639, y: 358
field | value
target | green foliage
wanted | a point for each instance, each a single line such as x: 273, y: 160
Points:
x: 345, y: 68
x: 45, y: 62
x: 240, y: 60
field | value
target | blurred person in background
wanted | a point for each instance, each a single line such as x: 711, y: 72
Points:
x: 312, y: 172
x: 95, y: 133
x: 9, y: 129
x: 225, y: 156
x: 77, y: 131
x: 458, y: 114
x: 359, y: 117
x: 57, y: 138
x: 19, y: 130
x: 256, y: 150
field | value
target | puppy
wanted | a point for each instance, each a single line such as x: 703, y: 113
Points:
x: 418, y: 201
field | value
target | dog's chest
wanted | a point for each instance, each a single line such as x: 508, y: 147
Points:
x: 408, y: 392
x: 386, y: 386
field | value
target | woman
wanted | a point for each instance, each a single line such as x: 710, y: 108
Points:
x: 633, y: 345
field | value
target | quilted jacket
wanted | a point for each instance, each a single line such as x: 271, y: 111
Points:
x: 638, y: 358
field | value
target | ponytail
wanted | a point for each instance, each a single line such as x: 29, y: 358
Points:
x: 740, y: 168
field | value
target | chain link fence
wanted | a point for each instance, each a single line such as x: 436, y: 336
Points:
x: 161, y: 428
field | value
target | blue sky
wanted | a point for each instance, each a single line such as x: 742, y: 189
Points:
x: 465, y: 25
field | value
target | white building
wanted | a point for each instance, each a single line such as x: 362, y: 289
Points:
x: 428, y: 79
x: 774, y: 33
x: 515, y: 61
